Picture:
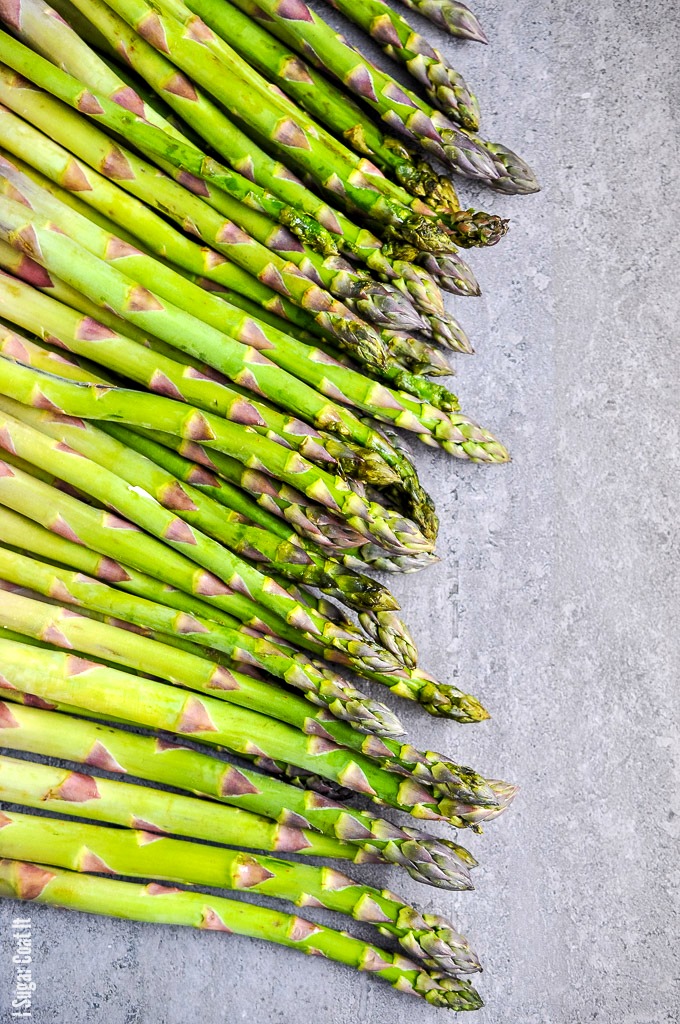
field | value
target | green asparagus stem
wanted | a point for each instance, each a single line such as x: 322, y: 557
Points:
x: 71, y: 588
x: 324, y: 374
x: 93, y: 894
x: 82, y: 847
x: 108, y: 691
x: 38, y: 728
x: 134, y: 806
x: 137, y: 265
x: 114, y: 538
x: 264, y: 501
x: 53, y: 37
x: 318, y: 154
x: 170, y: 611
x: 108, y: 403
x: 249, y: 701
x: 50, y: 35
x: 453, y: 16
x: 201, y: 511
x: 231, y: 143
x: 300, y: 27
x: 253, y: 592
x: 444, y: 87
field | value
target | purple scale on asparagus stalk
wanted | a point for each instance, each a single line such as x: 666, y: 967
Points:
x: 162, y: 385
x: 175, y: 497
x: 195, y: 717
x: 155, y: 889
x: 74, y: 177
x: 193, y: 183
x: 179, y: 532
x: 7, y: 719
x: 31, y: 880
x: 234, y: 783
x: 54, y: 636
x: 250, y: 873
x: 76, y: 789
x: 99, y: 757
x: 211, y: 921
x: 289, y: 134
x: 179, y: 85
x: 58, y: 524
x: 89, y: 104
x: 151, y: 28
x: 223, y: 679
x: 89, y: 861
x: 128, y: 98
x: 301, y: 930
x: 115, y: 165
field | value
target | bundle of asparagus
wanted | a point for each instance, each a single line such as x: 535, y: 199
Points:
x: 222, y: 254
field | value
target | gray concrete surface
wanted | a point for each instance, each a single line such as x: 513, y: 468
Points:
x: 557, y: 597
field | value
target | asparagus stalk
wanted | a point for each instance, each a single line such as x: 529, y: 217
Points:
x: 261, y: 499
x: 135, y: 806
x: 79, y: 846
x: 43, y: 730
x: 330, y: 105
x: 253, y: 592
x: 102, y: 402
x: 113, y: 537
x: 54, y: 38
x: 200, y: 510
x: 444, y: 87
x: 453, y: 16
x: 232, y: 144
x: 301, y: 28
x: 170, y: 611
x: 51, y: 36
x: 145, y: 702
x: 181, y: 329
x: 318, y: 153
x: 244, y: 725
x: 71, y: 588
x: 137, y: 265
x: 148, y: 365
x: 109, y: 897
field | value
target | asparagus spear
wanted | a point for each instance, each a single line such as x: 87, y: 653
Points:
x: 318, y: 153
x: 253, y: 592
x: 85, y: 335
x: 51, y: 733
x: 107, y: 246
x: 123, y: 803
x: 52, y: 37
x: 431, y: 768
x: 93, y: 894
x: 301, y: 28
x: 201, y: 511
x: 147, y: 365
x: 261, y: 499
x: 145, y: 702
x: 83, y: 847
x: 63, y: 628
x: 243, y: 723
x: 63, y: 256
x: 103, y: 402
x: 444, y: 87
x: 162, y: 604
x: 114, y: 538
x: 453, y: 16
x: 55, y: 39
x: 233, y: 145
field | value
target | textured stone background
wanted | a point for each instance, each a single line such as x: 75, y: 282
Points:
x: 557, y: 596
